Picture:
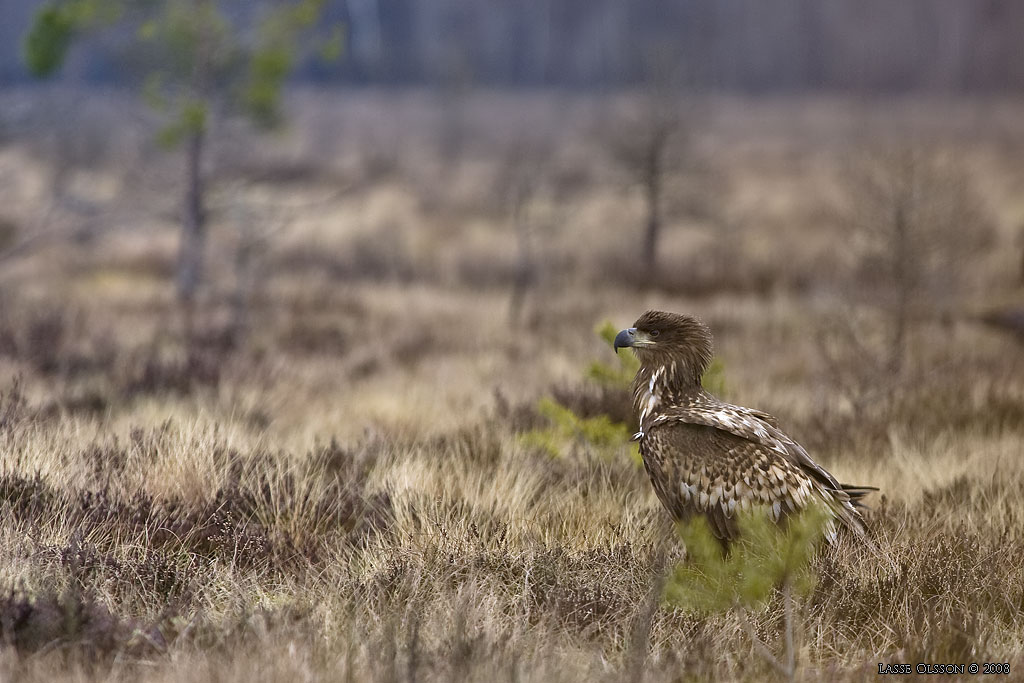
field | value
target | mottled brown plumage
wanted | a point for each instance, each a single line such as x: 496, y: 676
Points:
x: 712, y: 458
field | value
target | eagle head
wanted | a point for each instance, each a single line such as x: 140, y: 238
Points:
x: 659, y: 338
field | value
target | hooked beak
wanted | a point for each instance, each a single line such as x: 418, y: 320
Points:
x: 624, y: 338
x: 632, y: 337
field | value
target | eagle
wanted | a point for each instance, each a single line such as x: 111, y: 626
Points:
x: 711, y: 458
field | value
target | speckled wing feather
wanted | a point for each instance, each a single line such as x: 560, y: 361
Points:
x: 698, y: 469
x: 713, y: 458
x: 753, y: 425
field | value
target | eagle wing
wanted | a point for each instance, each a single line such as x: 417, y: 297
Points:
x: 715, y: 459
x: 746, y: 423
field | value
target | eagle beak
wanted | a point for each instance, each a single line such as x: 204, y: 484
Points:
x: 624, y: 338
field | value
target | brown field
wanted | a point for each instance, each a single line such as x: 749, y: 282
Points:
x: 333, y: 480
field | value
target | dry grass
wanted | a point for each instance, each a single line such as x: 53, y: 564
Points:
x: 343, y: 491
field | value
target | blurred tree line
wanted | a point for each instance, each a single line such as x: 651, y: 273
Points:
x: 951, y: 45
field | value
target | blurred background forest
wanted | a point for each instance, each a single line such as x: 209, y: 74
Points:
x: 304, y: 311
x: 872, y: 45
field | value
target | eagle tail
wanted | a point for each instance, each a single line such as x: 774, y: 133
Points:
x: 857, y: 492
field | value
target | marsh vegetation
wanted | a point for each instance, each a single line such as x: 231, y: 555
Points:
x: 360, y: 466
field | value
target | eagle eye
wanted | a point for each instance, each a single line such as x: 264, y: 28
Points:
x: 655, y: 333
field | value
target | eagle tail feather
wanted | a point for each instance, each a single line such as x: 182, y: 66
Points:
x: 855, y: 493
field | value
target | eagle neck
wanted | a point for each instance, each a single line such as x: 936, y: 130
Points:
x: 656, y: 387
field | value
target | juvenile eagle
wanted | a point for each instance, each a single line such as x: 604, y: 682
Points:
x: 712, y: 458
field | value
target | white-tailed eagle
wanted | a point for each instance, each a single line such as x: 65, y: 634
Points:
x: 706, y: 457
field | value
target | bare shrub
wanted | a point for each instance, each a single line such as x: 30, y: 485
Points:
x: 917, y: 228
x: 945, y: 390
x: 520, y: 185
x: 917, y: 232
x: 644, y: 147
x: 650, y: 140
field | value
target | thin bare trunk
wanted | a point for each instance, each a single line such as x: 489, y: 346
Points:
x: 524, y: 267
x: 904, y: 278
x: 193, y: 229
x: 652, y: 194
